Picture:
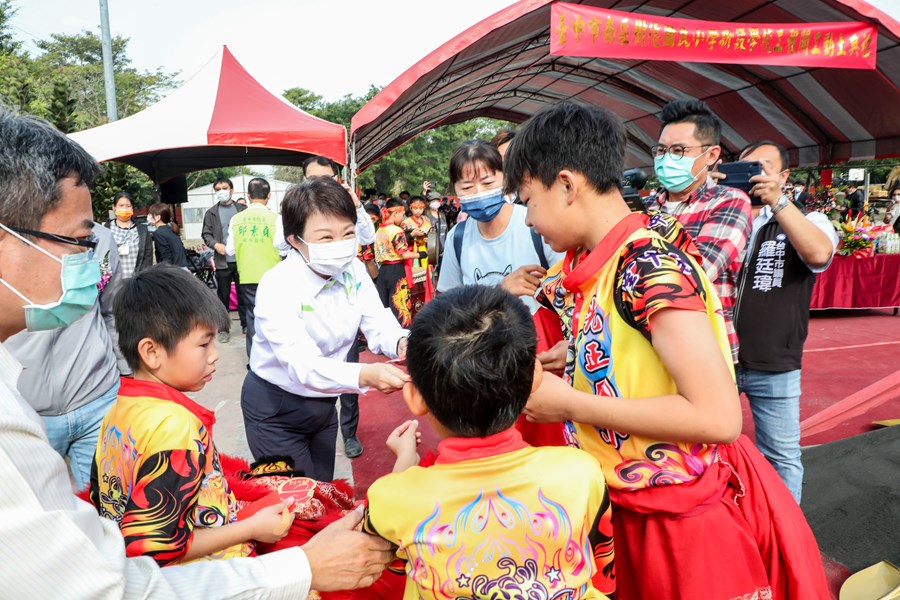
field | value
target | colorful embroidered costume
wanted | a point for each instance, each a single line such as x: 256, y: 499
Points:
x: 690, y: 519
x: 496, y: 518
x: 392, y: 284
x: 419, y: 272
x: 156, y: 471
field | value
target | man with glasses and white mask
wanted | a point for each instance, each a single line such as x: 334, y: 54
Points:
x: 51, y: 543
x: 717, y: 217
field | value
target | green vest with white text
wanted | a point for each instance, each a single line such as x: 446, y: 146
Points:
x: 254, y: 232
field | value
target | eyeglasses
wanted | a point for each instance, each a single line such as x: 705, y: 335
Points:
x: 676, y: 150
x: 89, y: 242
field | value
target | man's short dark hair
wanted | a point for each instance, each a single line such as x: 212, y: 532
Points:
x: 587, y: 139
x: 164, y: 303
x: 471, y: 354
x: 258, y: 188
x: 707, y: 127
x: 782, y: 152
x: 371, y: 192
x: 34, y: 158
x: 403, y: 192
x: 321, y: 161
x: 162, y: 211
x: 317, y: 195
x: 471, y: 152
x: 224, y: 180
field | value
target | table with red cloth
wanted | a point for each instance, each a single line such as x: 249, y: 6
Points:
x: 850, y: 282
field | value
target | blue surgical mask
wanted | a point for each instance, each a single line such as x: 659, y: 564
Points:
x: 223, y: 196
x: 484, y: 206
x: 80, y: 275
x: 675, y: 174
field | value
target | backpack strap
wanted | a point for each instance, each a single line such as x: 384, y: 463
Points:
x: 457, y: 240
x: 539, y: 247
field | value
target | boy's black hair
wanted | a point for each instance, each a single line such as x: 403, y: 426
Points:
x: 372, y: 210
x: 316, y: 195
x: 707, y: 127
x: 782, y: 152
x: 587, y: 139
x: 471, y: 152
x: 394, y: 202
x: 164, y: 303
x: 415, y: 198
x: 471, y: 354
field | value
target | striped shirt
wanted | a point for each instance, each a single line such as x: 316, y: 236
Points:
x: 128, y: 241
x: 53, y: 545
x: 718, y: 219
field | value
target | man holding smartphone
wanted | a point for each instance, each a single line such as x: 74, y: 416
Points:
x: 717, y: 217
x: 786, y: 250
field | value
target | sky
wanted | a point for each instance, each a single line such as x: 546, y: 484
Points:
x: 331, y: 47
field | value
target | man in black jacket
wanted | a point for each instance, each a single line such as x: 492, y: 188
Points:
x: 215, y: 234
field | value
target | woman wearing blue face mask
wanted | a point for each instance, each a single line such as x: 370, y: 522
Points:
x: 494, y: 246
x: 308, y: 310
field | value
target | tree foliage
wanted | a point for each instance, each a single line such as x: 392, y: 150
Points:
x: 424, y: 158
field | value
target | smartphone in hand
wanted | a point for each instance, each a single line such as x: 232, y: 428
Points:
x: 738, y: 174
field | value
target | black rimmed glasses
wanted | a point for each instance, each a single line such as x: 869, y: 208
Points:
x: 675, y: 150
x: 89, y: 242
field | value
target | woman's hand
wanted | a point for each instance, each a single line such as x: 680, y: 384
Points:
x: 271, y: 523
x: 383, y: 377
x: 551, y: 402
x: 524, y: 281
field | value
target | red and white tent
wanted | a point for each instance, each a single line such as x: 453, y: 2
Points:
x: 220, y: 117
x: 501, y: 67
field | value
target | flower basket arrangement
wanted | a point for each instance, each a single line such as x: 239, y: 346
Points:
x: 857, y: 239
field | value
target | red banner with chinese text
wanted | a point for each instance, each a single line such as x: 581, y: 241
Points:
x: 577, y: 30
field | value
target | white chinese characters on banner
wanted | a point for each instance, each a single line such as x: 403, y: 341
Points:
x: 770, y: 265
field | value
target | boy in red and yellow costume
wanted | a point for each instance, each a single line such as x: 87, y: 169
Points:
x: 649, y: 387
x: 392, y: 253
x: 493, y: 515
x: 419, y: 271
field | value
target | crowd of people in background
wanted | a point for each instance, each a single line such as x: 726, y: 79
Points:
x: 532, y: 307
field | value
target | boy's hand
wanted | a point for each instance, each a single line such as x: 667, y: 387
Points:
x: 405, y: 439
x: 403, y: 442
x: 524, y: 281
x: 385, y: 378
x: 270, y: 524
x: 554, y: 359
x: 547, y: 403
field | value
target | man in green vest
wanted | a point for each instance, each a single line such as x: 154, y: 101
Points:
x: 250, y: 241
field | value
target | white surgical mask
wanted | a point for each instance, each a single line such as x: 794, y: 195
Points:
x: 434, y: 204
x: 330, y: 258
x: 222, y: 195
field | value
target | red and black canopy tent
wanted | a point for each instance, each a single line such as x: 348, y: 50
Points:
x: 220, y: 117
x: 502, y: 68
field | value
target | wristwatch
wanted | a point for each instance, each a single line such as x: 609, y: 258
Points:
x: 782, y: 202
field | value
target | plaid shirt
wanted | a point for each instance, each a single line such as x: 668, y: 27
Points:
x: 718, y: 218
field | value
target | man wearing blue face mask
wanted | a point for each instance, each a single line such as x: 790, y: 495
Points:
x: 215, y: 235
x: 717, y: 217
x: 71, y: 375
